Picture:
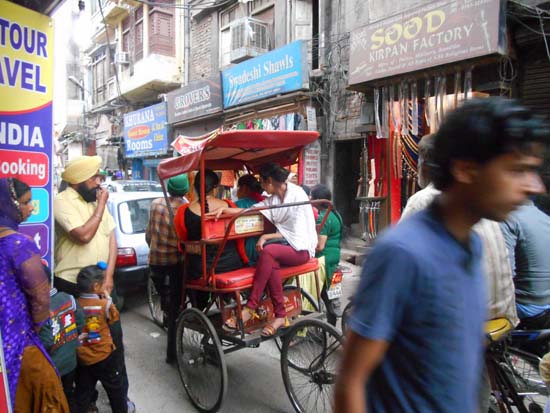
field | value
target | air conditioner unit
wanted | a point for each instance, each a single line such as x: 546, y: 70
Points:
x: 249, y: 38
x: 122, y: 58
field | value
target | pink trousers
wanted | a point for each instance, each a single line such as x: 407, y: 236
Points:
x: 271, y: 259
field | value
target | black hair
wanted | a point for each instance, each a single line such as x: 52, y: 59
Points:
x: 20, y: 187
x: 306, y: 189
x: 87, y: 277
x: 479, y: 131
x: 211, y: 181
x: 251, y: 182
x: 274, y: 171
x: 321, y: 191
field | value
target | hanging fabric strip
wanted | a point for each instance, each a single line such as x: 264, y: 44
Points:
x: 456, y: 89
x: 468, y: 84
x: 437, y: 87
x: 414, y: 99
x: 377, y: 112
x: 427, y: 93
x: 442, y: 98
x: 391, y: 99
x: 401, y: 98
x: 406, y: 125
x: 385, y: 118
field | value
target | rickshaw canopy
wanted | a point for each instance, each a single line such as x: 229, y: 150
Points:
x: 235, y: 149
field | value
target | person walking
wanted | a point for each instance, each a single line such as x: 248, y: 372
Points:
x: 34, y: 386
x: 84, y: 234
x: 415, y: 341
x: 165, y: 259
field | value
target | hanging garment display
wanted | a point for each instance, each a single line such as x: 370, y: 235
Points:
x: 377, y: 113
x: 456, y: 89
x: 468, y: 84
x: 385, y: 113
x: 414, y: 100
x: 427, y: 94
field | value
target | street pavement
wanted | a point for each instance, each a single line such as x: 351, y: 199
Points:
x: 255, y: 381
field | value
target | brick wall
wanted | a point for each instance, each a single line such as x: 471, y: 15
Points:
x: 201, y: 48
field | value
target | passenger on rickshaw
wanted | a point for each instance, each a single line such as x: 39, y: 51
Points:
x: 293, y: 244
x: 249, y: 192
x: 188, y: 227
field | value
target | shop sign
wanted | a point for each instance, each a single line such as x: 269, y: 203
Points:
x: 438, y: 33
x: 279, y: 71
x: 311, y: 168
x: 197, y: 99
x: 145, y: 132
x: 26, y: 87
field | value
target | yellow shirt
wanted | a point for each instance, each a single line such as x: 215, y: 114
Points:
x: 71, y: 211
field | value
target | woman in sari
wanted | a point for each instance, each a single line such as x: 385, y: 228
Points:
x: 34, y: 385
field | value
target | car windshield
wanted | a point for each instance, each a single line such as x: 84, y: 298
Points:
x: 142, y: 187
x: 133, y: 215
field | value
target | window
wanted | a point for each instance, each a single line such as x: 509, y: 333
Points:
x: 134, y: 215
x: 102, y: 71
x: 133, y: 31
x: 256, y: 5
x: 162, y: 38
x: 226, y: 18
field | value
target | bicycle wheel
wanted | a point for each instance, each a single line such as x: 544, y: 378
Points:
x: 153, y: 301
x: 528, y: 382
x: 201, y: 364
x: 310, y: 359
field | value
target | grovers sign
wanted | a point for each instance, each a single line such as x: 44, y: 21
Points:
x: 145, y: 132
x: 435, y: 34
x: 197, y: 99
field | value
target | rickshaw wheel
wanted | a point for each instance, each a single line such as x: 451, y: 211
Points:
x: 153, y: 301
x: 315, y: 349
x: 201, y: 364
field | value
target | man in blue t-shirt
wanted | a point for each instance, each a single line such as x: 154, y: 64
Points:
x: 416, y: 333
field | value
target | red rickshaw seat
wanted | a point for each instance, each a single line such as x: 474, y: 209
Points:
x: 243, y: 277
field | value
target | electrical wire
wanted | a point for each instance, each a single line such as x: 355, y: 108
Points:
x: 544, y: 35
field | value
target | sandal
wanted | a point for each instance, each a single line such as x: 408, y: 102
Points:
x: 231, y: 324
x: 270, y: 331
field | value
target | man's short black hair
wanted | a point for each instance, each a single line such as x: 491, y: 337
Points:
x: 479, y: 131
x: 321, y: 191
x: 87, y: 277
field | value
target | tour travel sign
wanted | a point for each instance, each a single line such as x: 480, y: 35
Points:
x: 438, y: 33
x: 26, y: 87
x: 145, y: 132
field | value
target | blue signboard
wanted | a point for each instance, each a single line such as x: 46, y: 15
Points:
x: 145, y: 132
x: 279, y: 71
x: 26, y: 87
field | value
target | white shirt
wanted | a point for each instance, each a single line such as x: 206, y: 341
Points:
x: 496, y: 263
x: 296, y: 224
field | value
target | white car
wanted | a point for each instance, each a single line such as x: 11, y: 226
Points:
x: 129, y: 185
x: 130, y: 211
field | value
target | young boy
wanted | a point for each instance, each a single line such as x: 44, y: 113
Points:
x: 60, y: 337
x: 95, y: 357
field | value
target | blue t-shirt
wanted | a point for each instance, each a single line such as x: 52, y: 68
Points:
x: 423, y: 292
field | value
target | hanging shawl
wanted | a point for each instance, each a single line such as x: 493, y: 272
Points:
x: 10, y: 212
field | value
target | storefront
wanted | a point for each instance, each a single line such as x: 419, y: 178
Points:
x: 145, y: 139
x: 272, y: 92
x: 414, y: 68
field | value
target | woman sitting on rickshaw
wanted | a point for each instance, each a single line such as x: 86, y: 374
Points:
x: 187, y: 223
x: 293, y: 244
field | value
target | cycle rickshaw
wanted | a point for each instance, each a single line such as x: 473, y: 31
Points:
x: 310, y: 347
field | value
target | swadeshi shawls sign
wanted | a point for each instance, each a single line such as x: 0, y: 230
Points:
x: 435, y: 34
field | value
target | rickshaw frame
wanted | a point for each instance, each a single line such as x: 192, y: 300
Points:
x: 235, y: 150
